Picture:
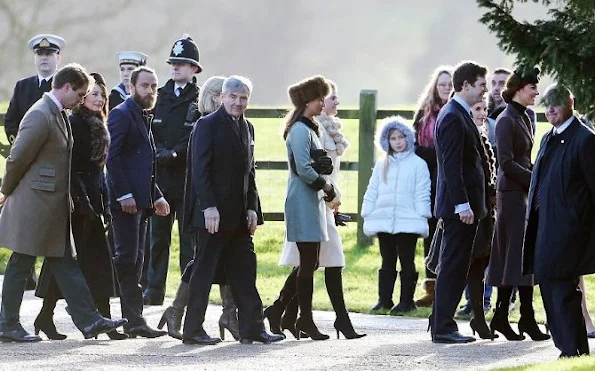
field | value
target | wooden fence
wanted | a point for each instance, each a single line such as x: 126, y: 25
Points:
x: 367, y: 114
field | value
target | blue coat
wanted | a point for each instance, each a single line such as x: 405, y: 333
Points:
x: 131, y: 158
x: 305, y: 213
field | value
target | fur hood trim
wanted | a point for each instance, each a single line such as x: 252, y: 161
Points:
x: 394, y: 123
x: 100, y: 138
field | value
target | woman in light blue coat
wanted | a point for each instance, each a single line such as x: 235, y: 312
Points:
x: 307, y: 191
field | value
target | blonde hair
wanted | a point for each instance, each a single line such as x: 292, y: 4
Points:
x: 211, y: 88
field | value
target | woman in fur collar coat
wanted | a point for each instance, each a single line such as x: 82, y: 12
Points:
x: 89, y: 193
x: 396, y: 208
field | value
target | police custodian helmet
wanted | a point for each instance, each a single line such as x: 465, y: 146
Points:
x: 185, y: 50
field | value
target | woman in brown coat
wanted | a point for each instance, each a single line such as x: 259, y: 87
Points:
x: 514, y: 139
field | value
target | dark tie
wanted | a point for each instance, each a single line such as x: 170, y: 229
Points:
x: 537, y: 196
x: 45, y: 86
x: 179, y: 91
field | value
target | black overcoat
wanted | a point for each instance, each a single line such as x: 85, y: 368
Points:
x: 560, y: 236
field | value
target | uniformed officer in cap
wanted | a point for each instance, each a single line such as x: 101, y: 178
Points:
x: 46, y: 49
x: 175, y: 113
x: 128, y: 60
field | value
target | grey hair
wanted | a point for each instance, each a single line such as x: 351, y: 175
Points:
x: 237, y: 83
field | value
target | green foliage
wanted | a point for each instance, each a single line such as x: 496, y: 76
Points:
x: 563, y: 46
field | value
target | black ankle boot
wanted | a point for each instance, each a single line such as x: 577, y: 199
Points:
x: 500, y: 323
x: 528, y: 325
x: 45, y: 320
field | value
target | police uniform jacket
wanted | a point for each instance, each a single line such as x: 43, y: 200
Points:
x: 174, y: 118
x: 26, y: 92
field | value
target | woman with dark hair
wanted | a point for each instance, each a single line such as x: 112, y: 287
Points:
x: 307, y: 191
x: 514, y: 139
x: 89, y: 193
x: 282, y: 314
x: 434, y: 96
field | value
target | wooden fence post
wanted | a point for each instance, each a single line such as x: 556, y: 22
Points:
x: 367, y: 126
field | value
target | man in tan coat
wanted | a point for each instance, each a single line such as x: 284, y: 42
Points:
x: 35, y: 219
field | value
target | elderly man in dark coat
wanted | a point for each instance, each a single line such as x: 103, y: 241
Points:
x: 560, y: 235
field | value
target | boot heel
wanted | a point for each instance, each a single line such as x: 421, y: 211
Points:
x: 337, y: 334
x: 222, y: 332
x: 161, y: 322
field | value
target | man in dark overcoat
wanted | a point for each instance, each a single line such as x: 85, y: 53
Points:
x: 175, y: 113
x: 134, y: 195
x: 222, y: 208
x: 560, y: 233
x: 461, y: 198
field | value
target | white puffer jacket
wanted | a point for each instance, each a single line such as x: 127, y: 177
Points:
x: 402, y: 203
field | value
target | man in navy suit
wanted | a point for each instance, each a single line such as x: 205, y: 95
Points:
x: 460, y: 197
x: 134, y: 195
x: 221, y: 208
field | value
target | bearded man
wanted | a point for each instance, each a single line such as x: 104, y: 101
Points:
x: 134, y: 195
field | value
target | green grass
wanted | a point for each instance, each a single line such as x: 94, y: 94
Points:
x: 585, y: 363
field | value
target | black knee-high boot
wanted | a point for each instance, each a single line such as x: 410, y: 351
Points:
x: 527, y: 323
x: 275, y: 311
x: 500, y: 320
x: 104, y: 309
x: 334, y: 286
x: 476, y: 290
x: 45, y: 319
x: 305, y: 323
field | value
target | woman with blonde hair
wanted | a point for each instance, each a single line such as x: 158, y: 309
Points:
x: 434, y: 96
x: 209, y: 100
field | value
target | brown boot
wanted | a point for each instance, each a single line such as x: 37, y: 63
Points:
x: 428, y: 299
x: 229, y: 317
x: 174, y: 313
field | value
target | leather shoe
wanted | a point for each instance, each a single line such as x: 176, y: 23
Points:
x: 18, y: 335
x: 263, y: 337
x: 591, y: 335
x: 101, y: 326
x: 453, y: 337
x: 144, y: 331
x: 202, y: 339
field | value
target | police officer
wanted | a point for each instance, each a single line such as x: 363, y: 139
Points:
x: 128, y: 62
x: 175, y: 113
x: 46, y: 49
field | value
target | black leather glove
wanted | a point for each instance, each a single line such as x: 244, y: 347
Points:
x: 323, y: 164
x: 340, y: 219
x: 85, y: 209
x: 165, y: 157
x: 330, y: 195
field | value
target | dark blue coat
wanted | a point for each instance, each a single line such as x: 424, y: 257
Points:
x: 131, y: 158
x: 461, y: 161
x: 220, y: 172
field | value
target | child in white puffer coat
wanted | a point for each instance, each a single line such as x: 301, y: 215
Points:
x: 396, y: 209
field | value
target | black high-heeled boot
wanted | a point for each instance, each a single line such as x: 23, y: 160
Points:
x: 275, y: 311
x: 527, y: 323
x: 45, y: 320
x: 305, y: 288
x: 334, y: 287
x: 500, y: 320
x: 290, y: 317
x: 476, y: 290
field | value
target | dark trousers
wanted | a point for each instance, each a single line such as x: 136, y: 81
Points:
x: 236, y: 251
x: 161, y: 227
x: 70, y: 280
x: 401, y: 246
x: 455, y: 259
x: 432, y: 223
x: 129, y: 241
x: 562, y: 303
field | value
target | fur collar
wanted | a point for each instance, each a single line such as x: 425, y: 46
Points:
x: 99, y: 135
x: 333, y: 126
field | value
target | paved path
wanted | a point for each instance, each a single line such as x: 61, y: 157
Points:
x: 392, y: 343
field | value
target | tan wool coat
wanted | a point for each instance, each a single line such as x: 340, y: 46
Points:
x: 35, y: 219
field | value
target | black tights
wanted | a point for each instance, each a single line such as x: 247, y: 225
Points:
x: 525, y: 296
x: 401, y: 246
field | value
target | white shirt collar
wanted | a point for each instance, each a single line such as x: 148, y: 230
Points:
x: 40, y: 79
x: 60, y: 108
x: 564, y: 125
x: 176, y: 86
x: 462, y: 102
